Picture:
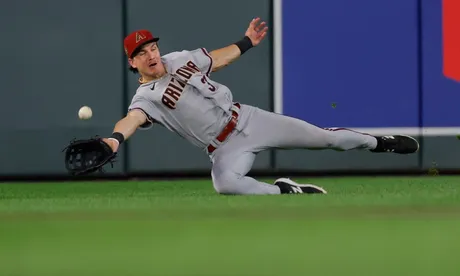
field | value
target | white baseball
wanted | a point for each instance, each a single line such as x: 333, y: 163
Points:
x: 85, y: 113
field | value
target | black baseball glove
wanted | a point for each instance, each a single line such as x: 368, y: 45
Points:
x: 87, y: 156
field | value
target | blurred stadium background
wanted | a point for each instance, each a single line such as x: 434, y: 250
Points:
x: 380, y: 66
x: 370, y: 65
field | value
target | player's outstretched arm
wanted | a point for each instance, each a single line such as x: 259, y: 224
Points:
x: 255, y: 33
x: 126, y: 127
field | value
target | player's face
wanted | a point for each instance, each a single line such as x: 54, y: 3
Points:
x: 148, y: 61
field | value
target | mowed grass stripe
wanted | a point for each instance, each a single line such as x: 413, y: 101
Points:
x: 373, y: 193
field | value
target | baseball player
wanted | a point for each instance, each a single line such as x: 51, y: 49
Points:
x: 176, y: 91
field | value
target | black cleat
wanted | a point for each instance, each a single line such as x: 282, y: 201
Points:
x: 287, y: 186
x: 397, y: 144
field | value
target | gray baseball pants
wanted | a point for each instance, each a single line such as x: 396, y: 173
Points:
x: 261, y: 130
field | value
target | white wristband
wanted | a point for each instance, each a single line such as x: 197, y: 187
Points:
x: 114, y: 140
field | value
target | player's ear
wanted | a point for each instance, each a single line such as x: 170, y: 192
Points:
x: 131, y: 62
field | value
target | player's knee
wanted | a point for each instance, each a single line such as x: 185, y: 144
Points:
x: 226, y: 182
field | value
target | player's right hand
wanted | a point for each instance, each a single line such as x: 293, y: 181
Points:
x: 112, y: 144
x: 256, y: 31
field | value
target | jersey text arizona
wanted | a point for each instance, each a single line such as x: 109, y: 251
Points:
x: 176, y: 87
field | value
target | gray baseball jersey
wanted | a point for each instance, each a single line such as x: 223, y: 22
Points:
x: 186, y: 101
x: 189, y: 103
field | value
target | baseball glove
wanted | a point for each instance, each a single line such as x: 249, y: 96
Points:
x: 87, y: 156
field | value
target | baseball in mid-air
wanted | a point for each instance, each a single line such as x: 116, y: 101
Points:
x: 85, y: 113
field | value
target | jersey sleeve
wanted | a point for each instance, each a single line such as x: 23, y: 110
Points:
x: 139, y: 102
x: 202, y: 59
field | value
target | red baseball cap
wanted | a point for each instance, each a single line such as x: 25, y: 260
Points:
x: 136, y: 39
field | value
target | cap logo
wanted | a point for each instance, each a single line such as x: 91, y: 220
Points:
x: 139, y: 37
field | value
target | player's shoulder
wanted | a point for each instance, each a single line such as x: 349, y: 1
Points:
x: 176, y: 55
x: 183, y: 54
x: 176, y: 59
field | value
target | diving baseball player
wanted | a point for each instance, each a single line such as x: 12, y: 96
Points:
x: 176, y: 91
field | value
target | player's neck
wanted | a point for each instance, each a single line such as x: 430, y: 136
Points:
x: 146, y: 79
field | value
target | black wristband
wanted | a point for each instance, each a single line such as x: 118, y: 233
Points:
x: 118, y: 136
x: 244, y: 44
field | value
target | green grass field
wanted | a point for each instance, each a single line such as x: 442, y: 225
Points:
x: 364, y: 226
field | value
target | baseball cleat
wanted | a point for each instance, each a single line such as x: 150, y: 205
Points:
x: 287, y: 186
x: 401, y: 144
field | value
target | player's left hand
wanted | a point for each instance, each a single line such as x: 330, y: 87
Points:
x: 85, y: 156
x: 256, y: 31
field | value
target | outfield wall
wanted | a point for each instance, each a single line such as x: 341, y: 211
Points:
x: 380, y: 66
